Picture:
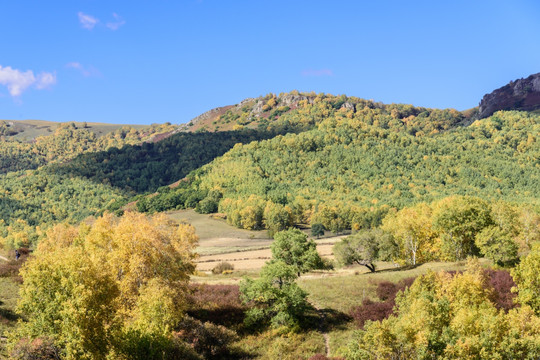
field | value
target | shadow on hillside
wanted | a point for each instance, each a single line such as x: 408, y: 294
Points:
x: 148, y: 166
x: 7, y: 315
x: 325, y: 320
x: 399, y: 268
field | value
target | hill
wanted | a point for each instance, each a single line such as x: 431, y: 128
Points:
x: 64, y: 141
x: 305, y: 156
x: 355, y: 162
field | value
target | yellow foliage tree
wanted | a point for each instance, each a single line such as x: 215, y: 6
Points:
x: 89, y: 286
x: 411, y: 228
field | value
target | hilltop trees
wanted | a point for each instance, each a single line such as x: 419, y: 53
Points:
x: 353, y: 163
x: 100, y: 289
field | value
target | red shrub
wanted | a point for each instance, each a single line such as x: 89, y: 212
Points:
x: 219, y: 304
x: 371, y: 310
x: 501, y: 281
x: 386, y: 290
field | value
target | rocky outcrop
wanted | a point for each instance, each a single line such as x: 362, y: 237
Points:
x: 522, y: 94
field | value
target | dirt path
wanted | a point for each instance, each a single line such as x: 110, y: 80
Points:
x: 322, y: 328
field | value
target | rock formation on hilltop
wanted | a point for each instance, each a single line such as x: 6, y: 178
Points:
x: 522, y: 94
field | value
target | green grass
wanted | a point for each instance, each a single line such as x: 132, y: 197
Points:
x: 218, y: 237
x: 9, y: 294
x: 342, y: 292
x: 271, y: 345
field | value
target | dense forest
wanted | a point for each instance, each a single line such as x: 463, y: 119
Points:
x: 361, y: 163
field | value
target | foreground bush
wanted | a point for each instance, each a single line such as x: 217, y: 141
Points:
x: 450, y: 316
x: 116, y: 287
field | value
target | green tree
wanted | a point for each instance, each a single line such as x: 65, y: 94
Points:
x: 496, y: 244
x: 458, y: 219
x: 274, y: 296
x: 364, y: 247
x: 527, y: 277
x: 317, y: 229
x: 294, y: 249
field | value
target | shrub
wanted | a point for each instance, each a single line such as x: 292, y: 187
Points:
x: 207, y: 206
x: 207, y: 339
x: 9, y: 269
x: 370, y: 310
x: 317, y: 229
x: 222, y: 267
x: 41, y: 348
x: 502, y: 284
x: 219, y: 304
x: 386, y: 290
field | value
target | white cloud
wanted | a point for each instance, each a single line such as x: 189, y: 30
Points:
x: 320, y: 72
x: 117, y: 23
x: 18, y: 81
x: 44, y: 80
x: 87, y: 21
x: 86, y: 71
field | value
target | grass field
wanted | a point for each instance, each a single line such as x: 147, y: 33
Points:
x: 246, y: 250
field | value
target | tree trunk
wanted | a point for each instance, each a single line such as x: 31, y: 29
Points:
x: 371, y: 267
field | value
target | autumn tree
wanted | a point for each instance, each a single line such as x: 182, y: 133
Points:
x: 94, y: 287
x: 458, y: 219
x: 527, y: 277
x: 450, y: 316
x: 412, y: 231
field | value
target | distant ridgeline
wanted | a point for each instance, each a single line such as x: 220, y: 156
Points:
x: 298, y: 158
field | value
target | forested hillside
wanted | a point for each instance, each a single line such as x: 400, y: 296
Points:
x: 310, y: 158
x: 66, y: 142
x: 364, y: 158
x: 145, y: 167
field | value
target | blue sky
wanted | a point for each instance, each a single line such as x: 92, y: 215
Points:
x: 142, y: 62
